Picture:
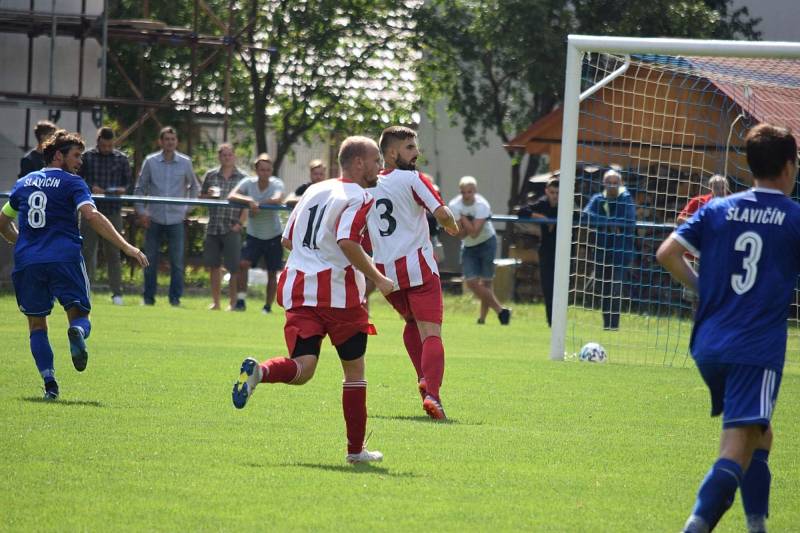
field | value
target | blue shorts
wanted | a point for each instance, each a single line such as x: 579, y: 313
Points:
x: 478, y: 261
x: 270, y: 249
x: 744, y: 394
x: 37, y: 286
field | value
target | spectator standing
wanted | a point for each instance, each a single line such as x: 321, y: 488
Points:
x: 165, y: 173
x: 719, y: 188
x: 263, y: 229
x: 612, y: 213
x: 316, y: 173
x: 106, y: 171
x: 749, y: 244
x: 34, y: 159
x: 47, y: 250
x: 223, y: 241
x: 478, y: 248
x: 322, y: 288
x: 546, y: 207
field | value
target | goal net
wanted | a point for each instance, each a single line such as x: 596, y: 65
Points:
x: 652, y: 130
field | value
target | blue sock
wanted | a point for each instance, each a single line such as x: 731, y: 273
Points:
x: 717, y: 492
x: 755, y: 485
x: 42, y: 354
x: 83, y: 323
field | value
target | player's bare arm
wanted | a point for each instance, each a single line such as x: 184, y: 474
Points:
x: 359, y: 259
x: 286, y: 243
x: 106, y: 229
x: 447, y: 220
x: 671, y: 256
x: 7, y: 228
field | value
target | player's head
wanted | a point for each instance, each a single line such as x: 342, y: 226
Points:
x: 226, y: 155
x: 399, y: 147
x: 105, y: 140
x: 63, y: 149
x: 468, y: 186
x: 168, y: 139
x: 612, y: 182
x: 719, y: 186
x: 43, y: 130
x: 316, y: 171
x: 772, y: 155
x: 551, y: 190
x: 263, y: 165
x: 360, y: 160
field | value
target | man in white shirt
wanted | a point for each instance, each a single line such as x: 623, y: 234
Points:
x: 322, y: 288
x: 478, y: 248
x: 263, y: 229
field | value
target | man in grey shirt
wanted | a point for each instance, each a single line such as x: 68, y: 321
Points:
x: 165, y: 173
x: 263, y: 229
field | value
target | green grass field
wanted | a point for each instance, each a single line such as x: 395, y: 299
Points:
x: 147, y: 439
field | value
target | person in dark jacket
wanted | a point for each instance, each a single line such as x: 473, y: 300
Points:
x: 612, y: 214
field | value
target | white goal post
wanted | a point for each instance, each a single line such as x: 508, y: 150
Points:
x: 621, y: 49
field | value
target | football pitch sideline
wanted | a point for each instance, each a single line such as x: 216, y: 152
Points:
x: 146, y: 439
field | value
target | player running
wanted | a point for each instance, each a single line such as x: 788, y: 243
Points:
x: 749, y: 250
x: 322, y: 292
x: 402, y: 249
x: 47, y: 252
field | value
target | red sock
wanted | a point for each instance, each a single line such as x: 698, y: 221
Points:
x: 280, y: 370
x: 413, y: 346
x: 433, y: 364
x: 354, y: 406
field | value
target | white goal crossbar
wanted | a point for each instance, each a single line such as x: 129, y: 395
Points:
x: 577, y: 47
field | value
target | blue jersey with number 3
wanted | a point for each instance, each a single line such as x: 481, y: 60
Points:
x: 749, y: 249
x: 47, y: 201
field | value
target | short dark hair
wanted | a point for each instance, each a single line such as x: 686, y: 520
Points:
x: 352, y: 147
x: 165, y: 130
x: 768, y: 149
x: 61, y: 141
x: 105, y: 133
x: 552, y: 182
x: 395, y: 133
x: 43, y: 129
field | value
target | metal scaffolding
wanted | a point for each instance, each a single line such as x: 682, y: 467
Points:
x: 105, y: 30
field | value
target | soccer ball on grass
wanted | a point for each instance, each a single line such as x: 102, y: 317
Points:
x: 593, y: 353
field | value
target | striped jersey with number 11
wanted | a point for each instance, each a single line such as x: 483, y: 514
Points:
x: 398, y: 228
x: 317, y: 273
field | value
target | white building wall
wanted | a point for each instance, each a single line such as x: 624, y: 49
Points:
x: 779, y: 18
x: 14, y: 65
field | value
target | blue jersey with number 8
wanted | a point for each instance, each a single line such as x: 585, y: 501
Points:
x: 47, y: 201
x: 749, y: 249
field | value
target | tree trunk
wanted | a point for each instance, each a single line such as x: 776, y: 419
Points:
x: 516, y: 161
x: 260, y: 125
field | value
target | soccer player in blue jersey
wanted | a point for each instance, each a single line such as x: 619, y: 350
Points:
x: 47, y: 251
x: 749, y: 249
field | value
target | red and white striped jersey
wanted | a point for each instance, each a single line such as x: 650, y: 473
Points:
x: 317, y: 273
x: 398, y: 228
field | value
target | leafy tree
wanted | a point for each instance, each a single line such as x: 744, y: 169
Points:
x: 300, y: 68
x: 332, y: 65
x: 500, y: 63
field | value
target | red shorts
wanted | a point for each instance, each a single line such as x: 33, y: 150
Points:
x: 339, y: 324
x: 421, y: 303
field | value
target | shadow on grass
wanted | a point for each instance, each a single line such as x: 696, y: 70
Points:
x: 362, y: 468
x: 37, y: 399
x: 425, y: 419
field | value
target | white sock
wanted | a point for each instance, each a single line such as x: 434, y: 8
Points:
x: 241, y: 295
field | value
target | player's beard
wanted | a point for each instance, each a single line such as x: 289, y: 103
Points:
x: 406, y: 165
